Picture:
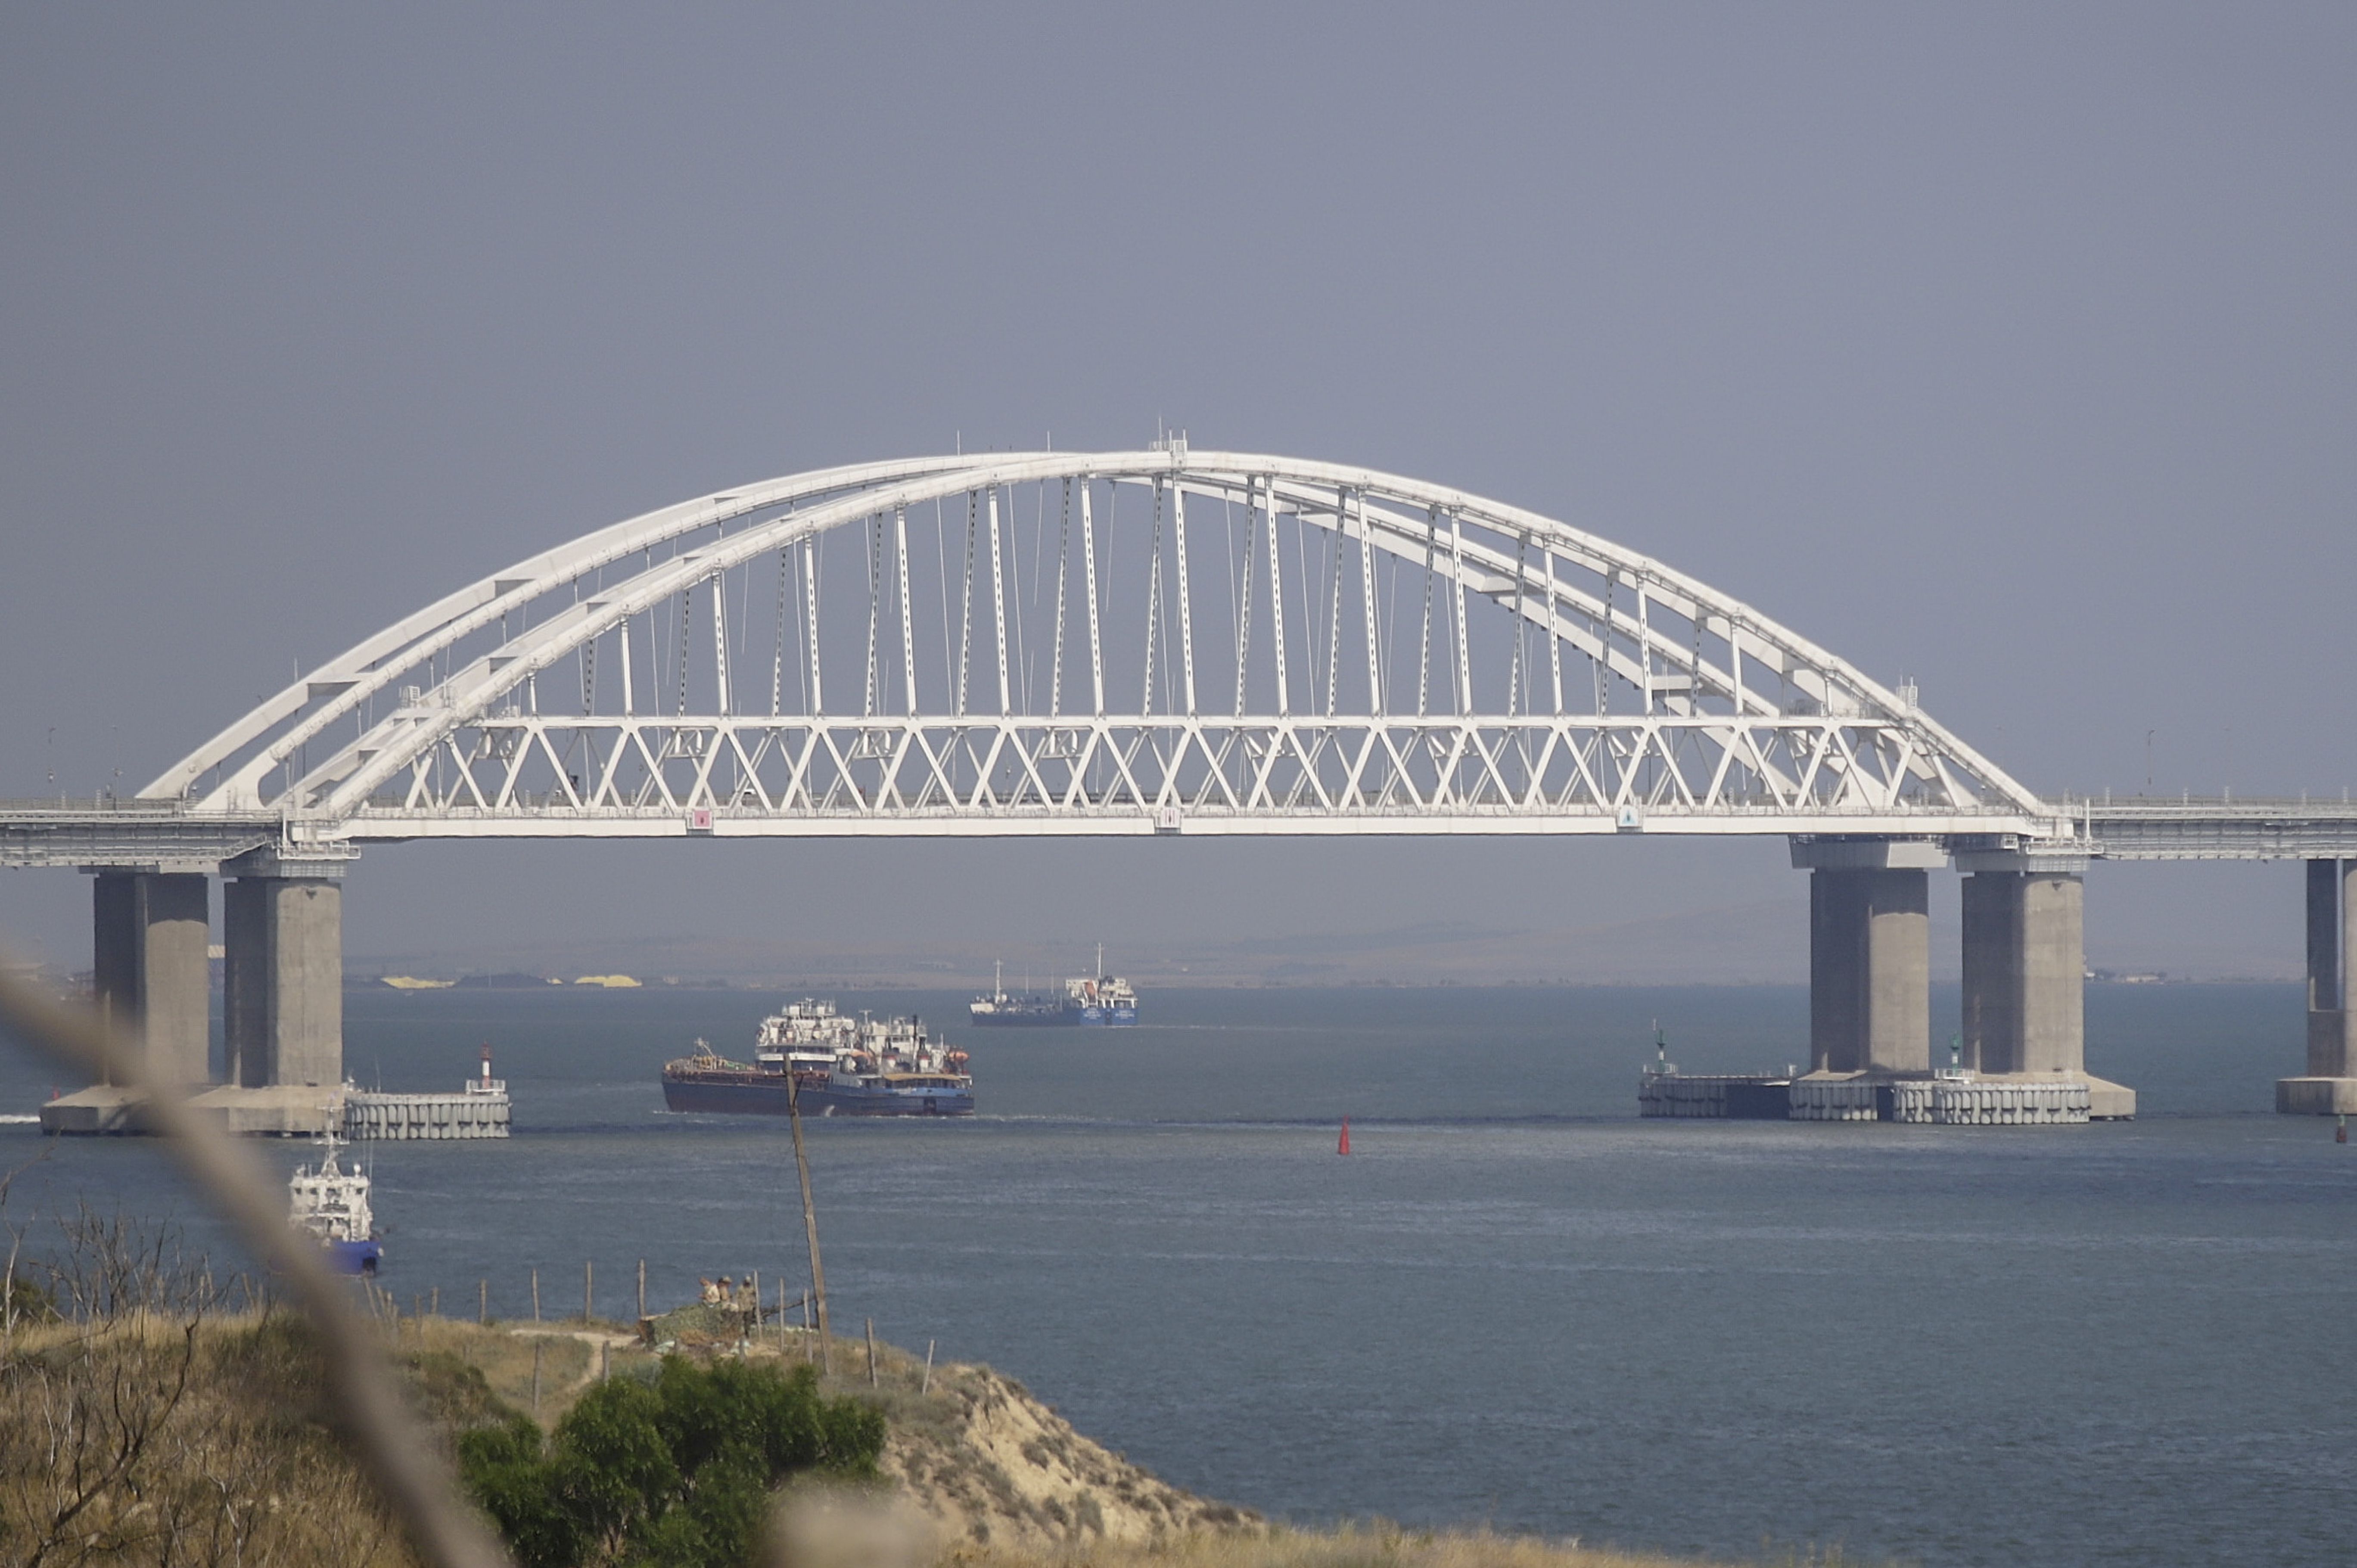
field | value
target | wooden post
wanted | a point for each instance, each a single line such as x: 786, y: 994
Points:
x: 643, y: 1290
x: 589, y: 1283
x: 927, y: 1386
x: 483, y: 1301
x: 871, y: 1353
x: 535, y: 1296
x: 810, y: 1222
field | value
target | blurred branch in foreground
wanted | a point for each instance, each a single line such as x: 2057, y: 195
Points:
x: 389, y: 1442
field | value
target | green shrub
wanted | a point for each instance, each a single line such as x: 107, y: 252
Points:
x: 672, y: 1473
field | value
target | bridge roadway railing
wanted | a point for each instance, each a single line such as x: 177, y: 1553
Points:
x: 2225, y: 828
x: 127, y: 834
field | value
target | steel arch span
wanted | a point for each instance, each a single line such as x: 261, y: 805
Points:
x: 1098, y: 642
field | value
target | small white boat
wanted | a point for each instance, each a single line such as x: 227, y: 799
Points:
x: 331, y: 1205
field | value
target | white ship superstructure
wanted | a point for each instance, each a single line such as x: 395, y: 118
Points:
x: 330, y: 1204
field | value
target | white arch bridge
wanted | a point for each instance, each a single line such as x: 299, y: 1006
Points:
x: 1093, y: 643
x: 1161, y: 641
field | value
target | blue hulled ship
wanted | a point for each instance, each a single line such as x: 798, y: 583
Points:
x: 1088, y: 999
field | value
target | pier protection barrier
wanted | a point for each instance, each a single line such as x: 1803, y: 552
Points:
x: 1836, y: 1099
x: 1949, y: 1103
x: 409, y: 1117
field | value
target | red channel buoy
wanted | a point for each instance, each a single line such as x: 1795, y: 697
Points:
x: 1344, y: 1147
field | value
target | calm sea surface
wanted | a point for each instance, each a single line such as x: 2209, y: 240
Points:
x: 1515, y: 1303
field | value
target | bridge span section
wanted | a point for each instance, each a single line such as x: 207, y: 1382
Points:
x: 1165, y: 642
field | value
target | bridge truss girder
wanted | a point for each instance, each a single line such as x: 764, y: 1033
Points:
x: 1127, y: 773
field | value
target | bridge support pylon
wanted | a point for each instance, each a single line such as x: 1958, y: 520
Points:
x: 150, y: 939
x: 2025, y: 963
x: 282, y: 929
x: 1869, y: 953
x: 2330, y: 1086
x: 2024, y: 972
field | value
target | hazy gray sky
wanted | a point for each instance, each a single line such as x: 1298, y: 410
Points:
x: 2012, y: 348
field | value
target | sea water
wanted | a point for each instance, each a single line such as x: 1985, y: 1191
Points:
x: 1514, y: 1303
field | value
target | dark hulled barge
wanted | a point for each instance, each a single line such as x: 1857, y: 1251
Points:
x: 835, y: 1066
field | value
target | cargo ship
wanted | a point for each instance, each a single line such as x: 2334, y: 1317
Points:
x: 835, y: 1065
x: 1088, y: 999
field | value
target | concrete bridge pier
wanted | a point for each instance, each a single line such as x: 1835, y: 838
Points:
x: 2025, y: 963
x: 1869, y: 953
x: 2025, y: 967
x: 150, y: 937
x: 1870, y: 992
x: 2330, y: 1086
x: 283, y: 1002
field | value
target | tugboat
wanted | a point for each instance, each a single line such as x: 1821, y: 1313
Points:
x: 834, y: 1064
x: 332, y: 1206
x: 1088, y: 999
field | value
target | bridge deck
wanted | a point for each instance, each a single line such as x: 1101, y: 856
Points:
x: 162, y: 835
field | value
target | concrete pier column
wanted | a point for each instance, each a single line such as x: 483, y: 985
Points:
x: 1869, y: 953
x: 2331, y: 944
x: 2330, y: 1086
x: 283, y: 926
x: 2024, y: 971
x: 150, y: 933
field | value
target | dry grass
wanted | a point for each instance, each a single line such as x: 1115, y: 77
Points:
x: 151, y: 1438
x: 568, y: 1356
x: 1348, y: 1546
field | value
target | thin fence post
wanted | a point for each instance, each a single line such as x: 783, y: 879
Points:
x: 643, y: 1290
x: 483, y: 1307
x: 589, y: 1283
x: 926, y: 1387
x: 535, y: 1296
x: 871, y: 1353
